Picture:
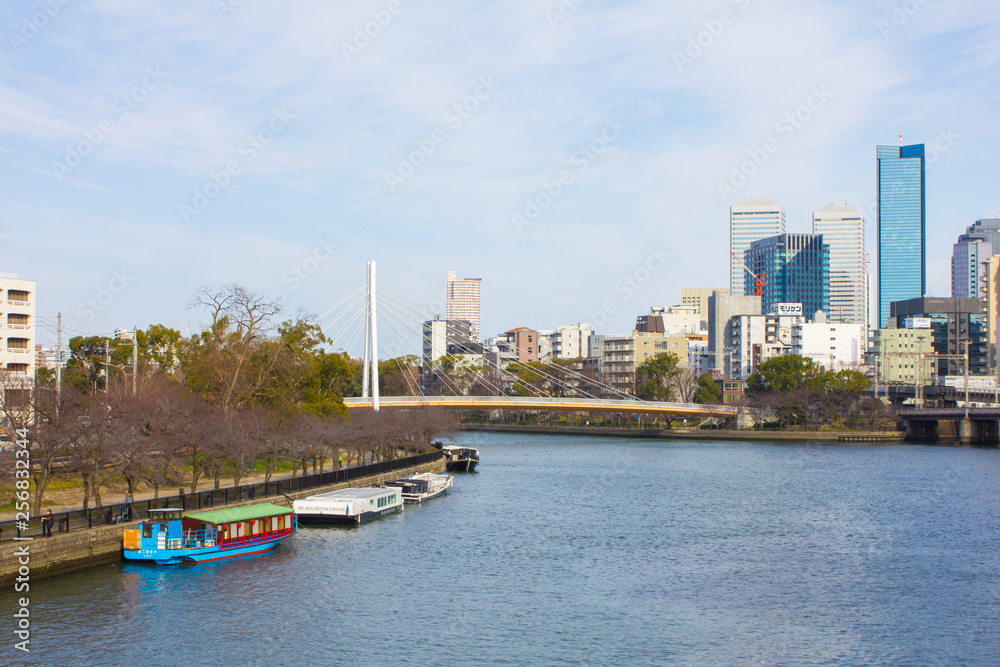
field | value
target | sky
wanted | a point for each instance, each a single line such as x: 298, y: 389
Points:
x: 580, y: 157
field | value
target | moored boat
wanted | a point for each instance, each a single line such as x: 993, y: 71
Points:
x: 170, y: 536
x: 348, y: 505
x: 460, y: 459
x: 422, y: 486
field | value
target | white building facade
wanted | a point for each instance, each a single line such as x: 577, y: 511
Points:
x: 749, y: 221
x: 463, y: 301
x: 17, y: 354
x: 571, y: 341
x: 833, y: 346
x: 843, y: 229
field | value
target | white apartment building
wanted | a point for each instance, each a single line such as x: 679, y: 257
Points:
x: 681, y: 319
x: 463, y: 301
x: 843, y: 229
x: 754, y: 339
x: 17, y: 323
x: 571, y: 341
x: 749, y: 221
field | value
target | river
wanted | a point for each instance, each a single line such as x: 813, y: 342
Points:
x: 587, y: 551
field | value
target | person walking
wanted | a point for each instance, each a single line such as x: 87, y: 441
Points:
x: 47, y: 524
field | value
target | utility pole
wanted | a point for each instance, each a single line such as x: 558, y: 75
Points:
x: 135, y: 357
x: 58, y: 361
x: 107, y: 365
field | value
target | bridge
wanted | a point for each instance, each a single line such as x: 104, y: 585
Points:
x: 505, y: 389
x: 967, y: 424
x: 573, y: 404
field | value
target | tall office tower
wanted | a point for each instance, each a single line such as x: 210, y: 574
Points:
x: 987, y: 229
x: 902, y: 222
x: 797, y: 268
x: 463, y: 301
x: 967, y: 268
x: 843, y: 229
x: 750, y: 220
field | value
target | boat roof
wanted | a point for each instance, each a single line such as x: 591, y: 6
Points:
x: 240, y: 513
x: 352, y: 494
x: 166, y: 509
x: 459, y: 447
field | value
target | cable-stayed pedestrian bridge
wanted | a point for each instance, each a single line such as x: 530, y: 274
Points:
x: 512, y: 378
x: 573, y: 404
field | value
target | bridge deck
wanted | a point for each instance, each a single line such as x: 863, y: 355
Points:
x: 552, y: 404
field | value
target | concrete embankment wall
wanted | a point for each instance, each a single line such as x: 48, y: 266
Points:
x: 69, y: 552
x: 676, y: 434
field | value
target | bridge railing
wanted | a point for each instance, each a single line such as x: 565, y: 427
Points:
x: 528, y: 402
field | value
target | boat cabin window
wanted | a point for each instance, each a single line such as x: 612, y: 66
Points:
x: 147, y: 530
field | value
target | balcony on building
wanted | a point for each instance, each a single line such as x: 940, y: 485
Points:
x: 19, y: 345
x: 17, y: 297
x: 18, y: 321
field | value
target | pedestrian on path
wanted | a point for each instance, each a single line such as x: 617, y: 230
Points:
x: 47, y: 524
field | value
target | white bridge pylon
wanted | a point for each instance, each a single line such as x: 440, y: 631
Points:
x: 371, y: 343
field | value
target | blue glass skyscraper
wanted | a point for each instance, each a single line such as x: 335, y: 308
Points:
x: 902, y: 251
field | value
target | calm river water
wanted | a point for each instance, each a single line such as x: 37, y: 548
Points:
x: 588, y: 552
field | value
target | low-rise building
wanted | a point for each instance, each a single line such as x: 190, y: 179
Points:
x: 904, y: 356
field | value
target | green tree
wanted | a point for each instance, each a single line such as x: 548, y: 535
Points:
x: 784, y: 373
x: 708, y: 390
x: 654, y: 377
x: 846, y: 382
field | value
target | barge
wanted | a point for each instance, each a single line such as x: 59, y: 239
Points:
x: 460, y: 459
x: 423, y: 486
x: 348, y: 505
x: 170, y: 536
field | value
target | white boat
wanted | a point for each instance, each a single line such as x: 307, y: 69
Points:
x: 349, y: 505
x: 422, y: 486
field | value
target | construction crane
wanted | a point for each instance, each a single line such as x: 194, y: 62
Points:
x: 759, y: 280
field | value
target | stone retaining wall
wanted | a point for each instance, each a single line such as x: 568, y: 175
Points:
x: 81, y: 549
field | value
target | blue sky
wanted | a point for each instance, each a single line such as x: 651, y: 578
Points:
x: 427, y: 142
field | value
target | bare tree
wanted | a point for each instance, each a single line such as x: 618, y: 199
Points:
x: 684, y: 385
x: 240, y: 319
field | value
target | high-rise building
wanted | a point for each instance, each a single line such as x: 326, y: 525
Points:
x: 18, y: 358
x: 987, y: 229
x: 749, y: 221
x: 902, y: 252
x: 968, y: 259
x: 463, y: 301
x: 843, y: 229
x: 797, y: 268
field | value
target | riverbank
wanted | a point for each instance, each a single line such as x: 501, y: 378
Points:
x: 694, y: 434
x: 82, y: 549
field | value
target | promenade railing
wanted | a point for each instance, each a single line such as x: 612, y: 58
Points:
x: 64, y: 522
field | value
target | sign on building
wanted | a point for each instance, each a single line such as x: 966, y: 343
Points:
x: 917, y: 323
x: 785, y: 309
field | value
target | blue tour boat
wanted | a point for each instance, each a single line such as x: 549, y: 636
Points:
x: 170, y: 536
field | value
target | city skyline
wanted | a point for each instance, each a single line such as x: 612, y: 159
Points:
x: 575, y: 151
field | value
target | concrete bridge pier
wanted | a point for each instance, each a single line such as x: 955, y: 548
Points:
x: 921, y: 429
x: 977, y: 431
